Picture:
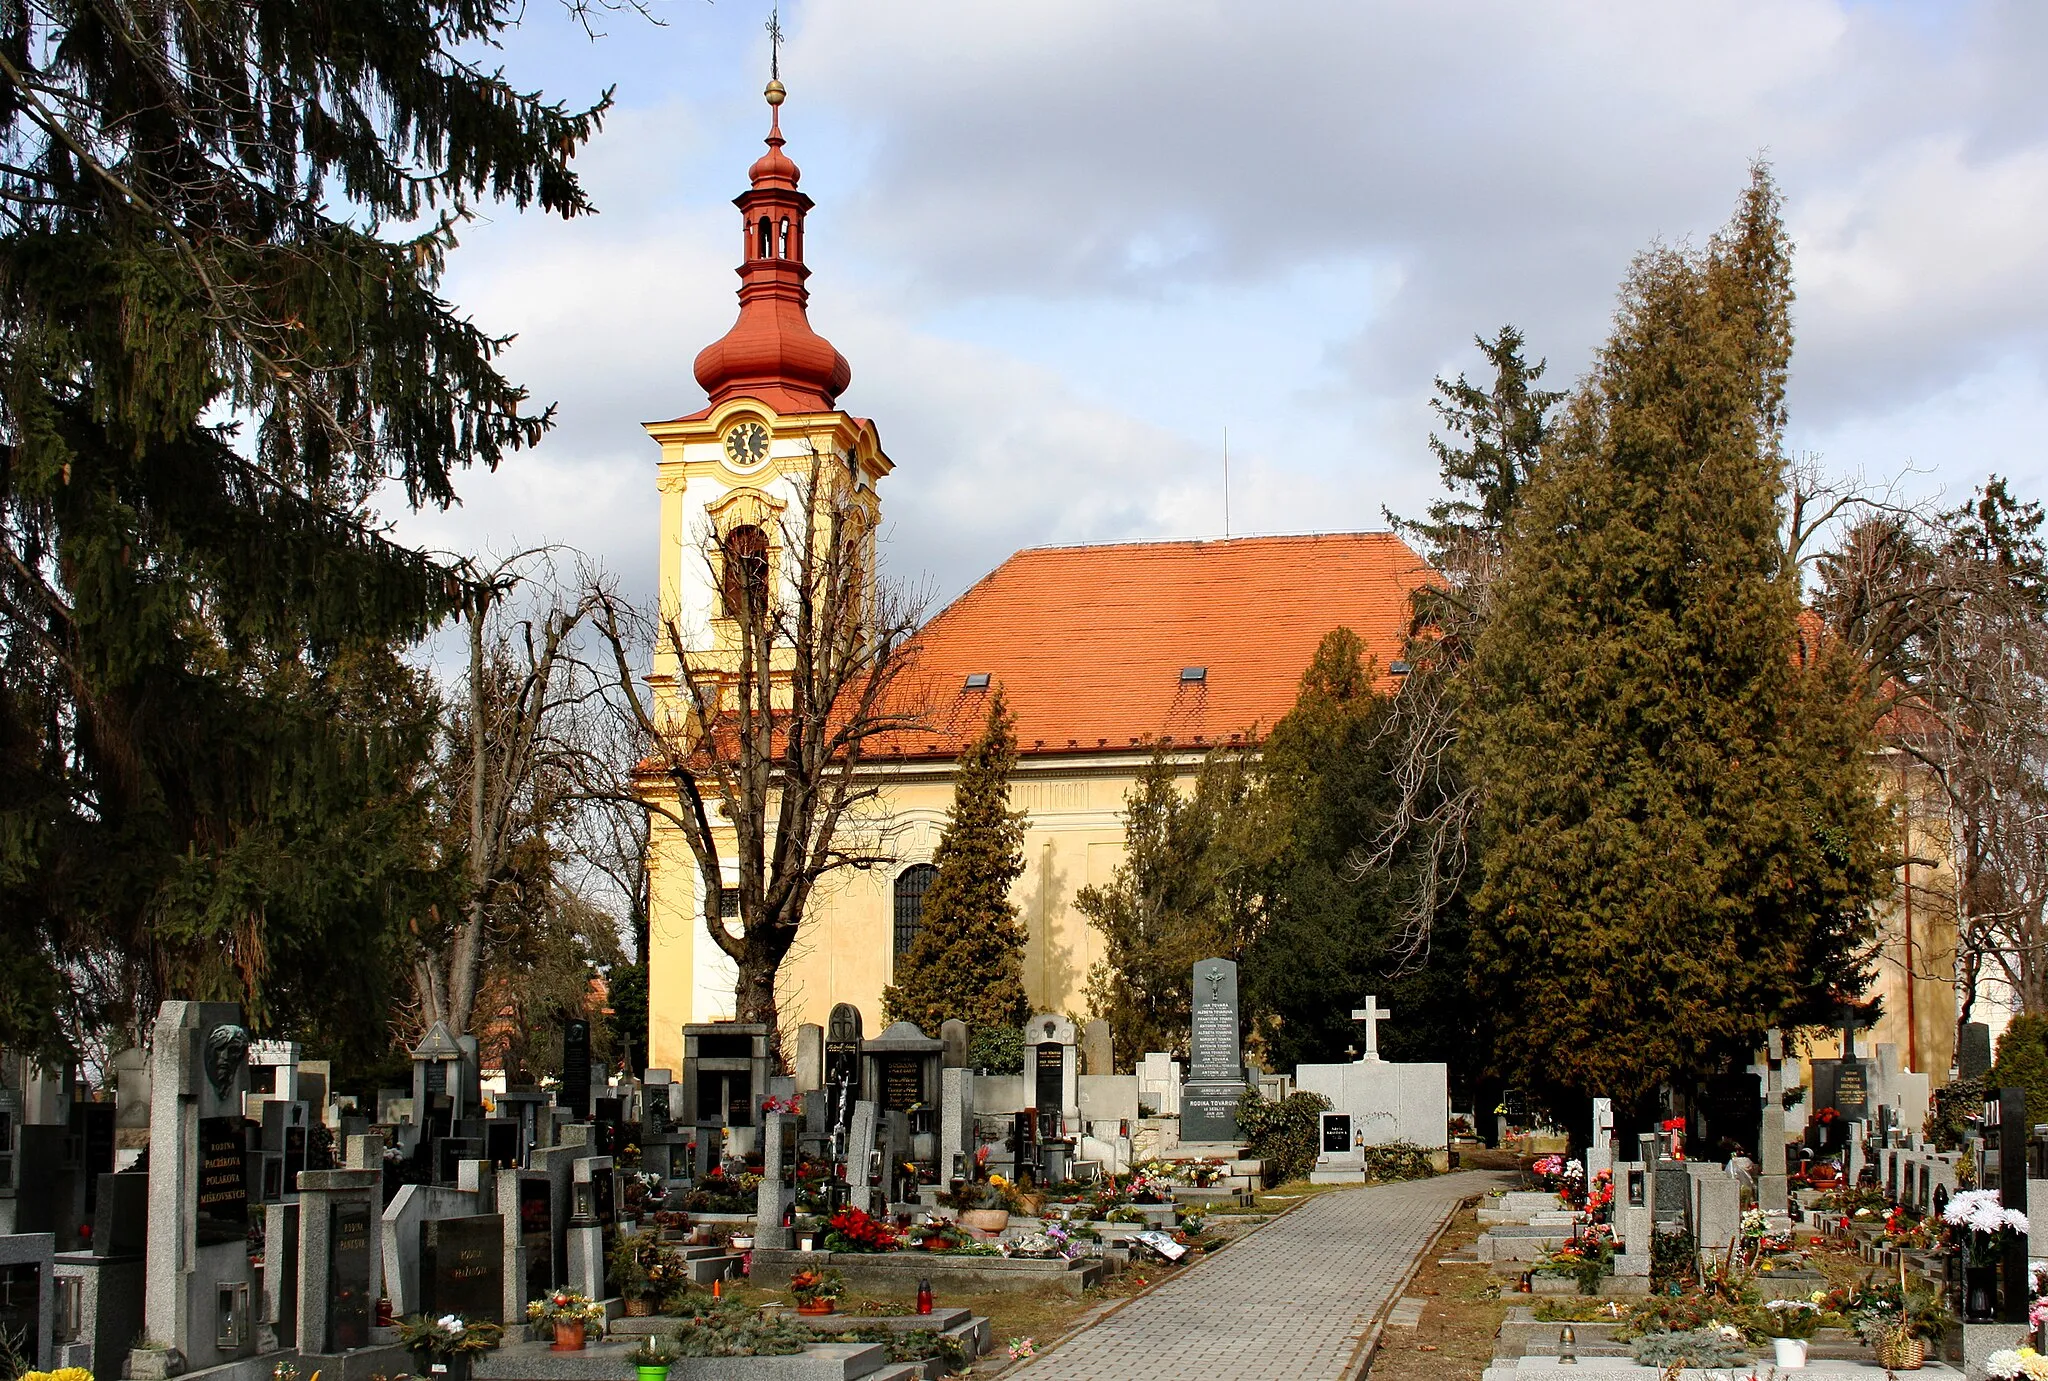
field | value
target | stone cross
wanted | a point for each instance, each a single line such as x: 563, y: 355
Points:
x: 1372, y: 1014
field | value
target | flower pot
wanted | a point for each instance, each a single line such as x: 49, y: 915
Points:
x: 816, y: 1306
x: 657, y: 1371
x: 1980, y: 1294
x: 1791, y: 1353
x: 740, y: 1243
x: 985, y: 1219
x: 638, y: 1306
x: 568, y: 1335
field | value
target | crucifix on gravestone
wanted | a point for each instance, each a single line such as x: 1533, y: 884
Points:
x: 1372, y: 1014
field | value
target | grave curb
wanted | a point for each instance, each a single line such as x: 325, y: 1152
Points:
x: 1369, y: 1342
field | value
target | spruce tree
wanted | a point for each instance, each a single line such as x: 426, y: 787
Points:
x: 220, y: 335
x: 1679, y: 835
x: 967, y: 961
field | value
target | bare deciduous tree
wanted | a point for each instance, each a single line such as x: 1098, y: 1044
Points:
x: 755, y: 755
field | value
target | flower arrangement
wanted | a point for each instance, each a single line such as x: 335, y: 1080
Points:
x: 816, y: 1287
x: 1978, y: 1213
x: 1600, y: 1194
x: 1674, y: 1128
x: 2011, y: 1364
x: 854, y: 1230
x: 449, y: 1333
x: 793, y: 1105
x: 60, y: 1374
x: 1788, y: 1318
x: 1021, y: 1349
x: 566, y: 1306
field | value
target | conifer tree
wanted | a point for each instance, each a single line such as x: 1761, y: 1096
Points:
x: 967, y: 961
x: 209, y: 770
x: 1679, y: 836
x: 1191, y: 886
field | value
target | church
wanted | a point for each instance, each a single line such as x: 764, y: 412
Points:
x: 1103, y: 652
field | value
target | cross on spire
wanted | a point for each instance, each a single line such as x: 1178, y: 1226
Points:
x: 1372, y: 1014
x: 774, y: 27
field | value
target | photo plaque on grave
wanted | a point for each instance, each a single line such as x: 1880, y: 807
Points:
x: 348, y: 1277
x: 221, y: 1193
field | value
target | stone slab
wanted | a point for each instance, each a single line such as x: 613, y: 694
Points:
x: 535, y: 1361
x: 899, y: 1272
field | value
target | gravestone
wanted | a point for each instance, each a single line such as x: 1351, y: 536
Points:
x: 339, y: 1267
x: 809, y: 1070
x: 350, y: 1310
x: 901, y: 1068
x: 1052, y: 1075
x: 536, y: 1269
x: 27, y: 1283
x: 956, y: 1124
x: 1159, y: 1084
x: 1600, y: 1146
x: 1208, y: 1104
x: 725, y: 1072
x: 863, y: 1164
x: 1973, y: 1051
x: 199, y: 1287
x: 953, y: 1044
x: 1772, y: 1185
x: 1097, y: 1050
x: 842, y: 1065
x: 1339, y: 1159
x: 462, y: 1267
x: 574, y: 1093
x: 773, y: 1197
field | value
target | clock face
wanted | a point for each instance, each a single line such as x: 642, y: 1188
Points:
x: 747, y: 443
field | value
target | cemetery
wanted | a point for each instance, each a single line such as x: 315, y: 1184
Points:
x: 724, y: 1219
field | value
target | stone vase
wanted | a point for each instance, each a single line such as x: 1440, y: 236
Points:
x: 985, y: 1219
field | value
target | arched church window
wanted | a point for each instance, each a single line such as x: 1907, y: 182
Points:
x: 746, y: 570
x: 782, y: 241
x: 911, y: 885
x: 764, y: 238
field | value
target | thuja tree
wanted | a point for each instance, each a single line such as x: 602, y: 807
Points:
x: 233, y: 210
x: 967, y: 960
x: 1679, y: 837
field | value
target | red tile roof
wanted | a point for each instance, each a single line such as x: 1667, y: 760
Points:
x: 1089, y: 642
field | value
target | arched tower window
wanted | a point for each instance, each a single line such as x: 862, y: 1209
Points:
x: 782, y: 242
x: 746, y: 570
x: 911, y: 885
x: 763, y: 239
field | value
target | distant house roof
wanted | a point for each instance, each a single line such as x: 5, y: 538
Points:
x: 1107, y: 648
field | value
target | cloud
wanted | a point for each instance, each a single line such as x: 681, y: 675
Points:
x: 1065, y: 244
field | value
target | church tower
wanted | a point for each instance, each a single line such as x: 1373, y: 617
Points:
x: 734, y: 478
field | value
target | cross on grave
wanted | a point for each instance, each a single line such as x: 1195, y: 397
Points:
x: 1372, y: 1014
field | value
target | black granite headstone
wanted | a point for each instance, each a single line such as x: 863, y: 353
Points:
x: 536, y: 1235
x: 348, y: 1276
x: 902, y: 1082
x: 462, y: 1267
x: 1049, y: 1065
x: 1336, y: 1133
x: 1973, y: 1051
x: 21, y: 1295
x: 221, y: 1196
x: 574, y: 1093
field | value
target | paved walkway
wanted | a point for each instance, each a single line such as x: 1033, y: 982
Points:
x: 1289, y: 1302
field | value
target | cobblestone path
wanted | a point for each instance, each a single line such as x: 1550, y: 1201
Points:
x: 1289, y: 1302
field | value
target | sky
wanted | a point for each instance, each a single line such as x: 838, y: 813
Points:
x: 1068, y: 244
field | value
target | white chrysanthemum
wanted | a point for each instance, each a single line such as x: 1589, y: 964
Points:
x: 2033, y: 1364
x: 2004, y: 1365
